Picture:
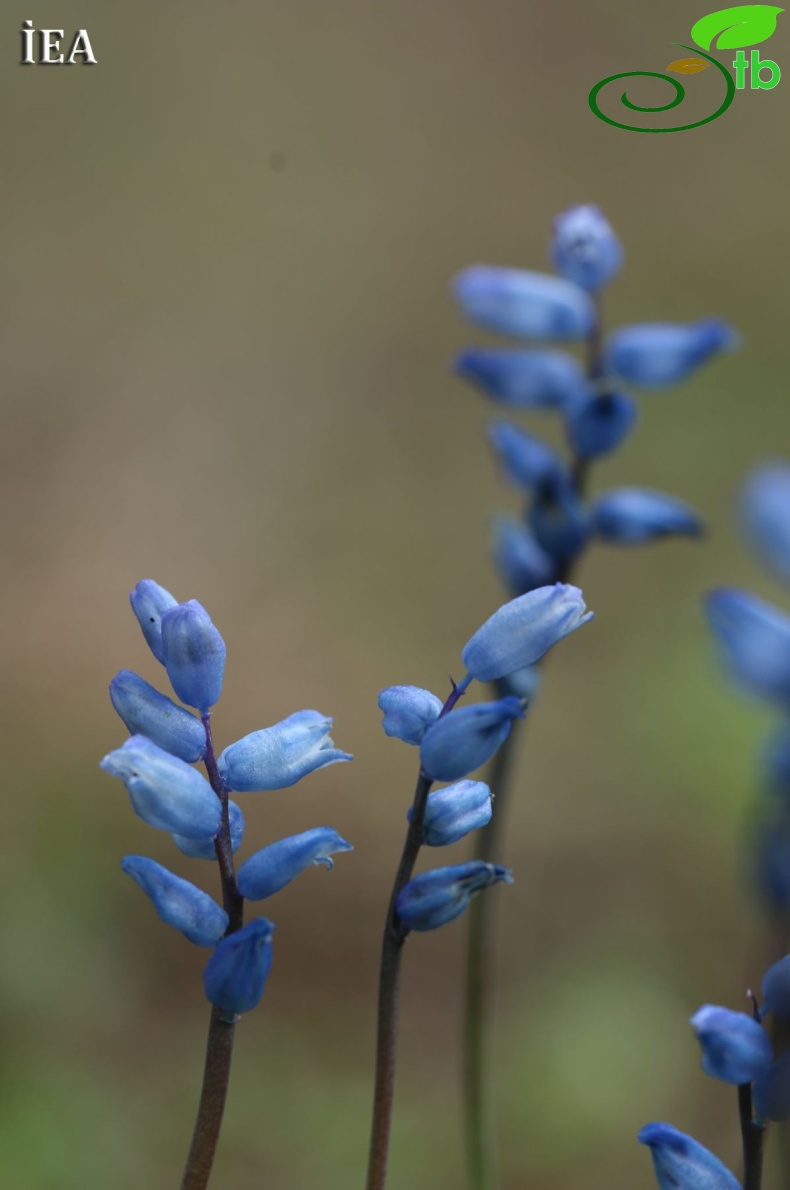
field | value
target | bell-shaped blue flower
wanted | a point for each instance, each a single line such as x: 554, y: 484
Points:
x: 776, y: 989
x: 149, y: 602
x: 235, y: 975
x: 754, y: 640
x: 735, y: 1048
x: 529, y: 305
x: 559, y: 518
x: 682, y: 1163
x: 584, y: 248
x: 520, y: 562
x: 434, y: 898
x: 147, y: 712
x: 522, y: 631
x: 599, y: 423
x: 525, y: 460
x: 194, y: 654
x: 204, y: 848
x: 178, y: 903
x: 465, y: 739
x: 765, y: 515
x: 271, y: 868
x: 164, y: 791
x: 771, y: 1092
x: 454, y: 812
x: 524, y: 379
x: 633, y: 516
x: 408, y: 712
x: 657, y: 354
x: 279, y: 756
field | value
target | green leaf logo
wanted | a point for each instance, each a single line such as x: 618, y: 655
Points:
x: 747, y: 24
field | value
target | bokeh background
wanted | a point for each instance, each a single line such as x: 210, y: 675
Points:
x: 226, y: 327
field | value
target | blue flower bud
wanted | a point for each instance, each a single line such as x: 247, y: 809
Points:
x: 559, y: 518
x: 597, y: 424
x: 754, y: 640
x: 147, y: 712
x: 466, y: 738
x: 771, y: 1092
x: 584, y: 248
x: 524, y: 683
x: 776, y: 989
x: 235, y: 975
x: 658, y: 354
x: 434, y: 898
x: 149, y: 601
x: 204, y: 848
x: 524, y: 379
x: 194, y: 654
x: 520, y: 632
x: 178, y: 903
x: 530, y: 305
x: 271, y: 868
x: 775, y: 762
x: 455, y: 811
x: 408, y: 712
x: 525, y: 460
x: 164, y: 791
x: 520, y: 562
x: 682, y: 1163
x: 632, y: 516
x: 735, y: 1048
x: 279, y: 756
x: 765, y: 515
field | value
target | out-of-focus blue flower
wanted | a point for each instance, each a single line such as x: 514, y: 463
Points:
x: 466, y: 738
x: 735, y: 1048
x: 149, y: 602
x: 597, y: 424
x: 408, y: 712
x: 765, y: 514
x: 529, y: 305
x: 584, y: 248
x: 661, y: 353
x: 455, y: 811
x: 204, y: 848
x: 682, y: 1163
x: 520, y: 562
x: 434, y: 898
x: 524, y: 379
x: 164, y: 791
x: 178, y: 903
x: 279, y: 756
x: 755, y: 641
x: 775, y: 761
x: 235, y: 975
x: 559, y: 518
x: 771, y: 1092
x: 147, y: 712
x: 522, y: 631
x: 194, y: 654
x: 525, y: 460
x: 271, y: 868
x: 524, y: 683
x: 632, y: 516
x: 776, y: 988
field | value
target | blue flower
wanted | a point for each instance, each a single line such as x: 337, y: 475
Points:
x: 599, y: 423
x: 754, y: 638
x: 271, y: 868
x: 279, y: 756
x: 164, y: 791
x: 149, y: 601
x: 525, y: 460
x: 771, y: 1092
x: 178, y: 903
x: 147, y: 712
x: 527, y: 304
x: 523, y: 630
x: 524, y: 683
x: 682, y: 1163
x: 735, y: 1048
x: 194, y: 654
x: 776, y: 989
x: 204, y: 848
x: 632, y: 516
x: 465, y: 739
x: 520, y: 562
x: 524, y: 379
x: 765, y: 514
x: 584, y: 248
x: 661, y: 353
x: 408, y: 712
x: 235, y: 975
x: 453, y: 812
x: 436, y: 897
x: 559, y: 518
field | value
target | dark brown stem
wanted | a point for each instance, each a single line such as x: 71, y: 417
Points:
x: 753, y: 1135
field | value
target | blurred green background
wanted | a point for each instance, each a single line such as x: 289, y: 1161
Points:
x: 226, y: 328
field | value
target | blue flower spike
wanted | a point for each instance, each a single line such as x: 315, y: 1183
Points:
x: 164, y: 791
x: 408, y: 712
x: 599, y: 423
x: 521, y: 563
x: 584, y: 249
x: 634, y: 516
x: 436, y: 897
x: 236, y: 973
x: 465, y: 739
x: 522, y: 631
x: 526, y: 461
x: 681, y: 1163
x: 147, y: 712
x: 271, y: 868
x: 454, y: 812
x: 277, y: 757
x: 178, y: 903
x: 149, y: 603
x: 765, y: 515
x: 735, y: 1048
x: 754, y: 640
x: 204, y: 848
x: 655, y: 355
x: 524, y: 379
x: 525, y: 304
x: 194, y: 655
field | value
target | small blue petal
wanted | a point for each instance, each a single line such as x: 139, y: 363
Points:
x: 584, y: 249
x: 735, y: 1048
x: 597, y: 424
x: 520, y: 562
x: 164, y: 791
x: 525, y: 460
x: 236, y: 973
x: 204, y: 848
x: 559, y: 518
x: 522, y: 631
x: 271, y: 868
x: 658, y: 354
x: 682, y: 1163
x: 765, y: 515
x: 776, y: 989
x: 454, y: 812
x: 194, y: 654
x: 524, y: 379
x: 463, y: 740
x: 279, y: 756
x: 754, y: 640
x: 434, y: 898
x: 530, y: 305
x: 408, y: 712
x: 771, y: 1092
x: 147, y: 712
x: 149, y: 602
x: 178, y: 903
x: 633, y: 516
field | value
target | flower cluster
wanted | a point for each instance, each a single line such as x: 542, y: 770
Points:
x: 167, y: 792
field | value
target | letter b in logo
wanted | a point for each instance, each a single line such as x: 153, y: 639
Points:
x: 758, y: 66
